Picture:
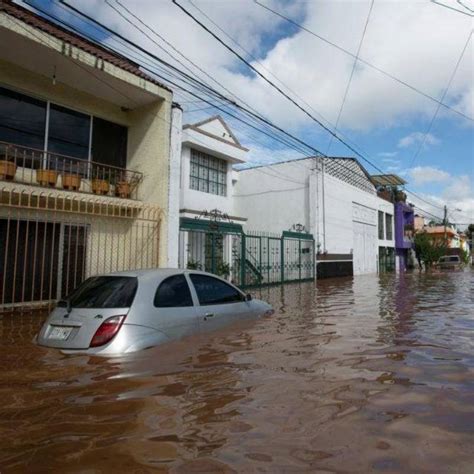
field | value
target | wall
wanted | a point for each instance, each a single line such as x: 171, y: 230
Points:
x: 274, y: 198
x: 148, y: 136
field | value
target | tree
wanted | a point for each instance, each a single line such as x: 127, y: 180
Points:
x: 470, y: 231
x: 428, y: 249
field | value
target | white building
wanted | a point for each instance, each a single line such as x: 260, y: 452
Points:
x: 331, y: 198
x: 209, y: 150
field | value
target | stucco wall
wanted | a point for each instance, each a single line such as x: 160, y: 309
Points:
x: 148, y: 132
x: 276, y: 197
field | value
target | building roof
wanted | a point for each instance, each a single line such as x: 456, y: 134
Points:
x: 347, y: 169
x: 387, y: 180
x: 75, y: 39
x: 439, y: 229
x: 200, y: 127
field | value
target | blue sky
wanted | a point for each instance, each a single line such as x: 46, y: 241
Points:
x: 417, y: 41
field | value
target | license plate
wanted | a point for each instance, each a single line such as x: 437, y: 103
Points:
x: 60, y: 333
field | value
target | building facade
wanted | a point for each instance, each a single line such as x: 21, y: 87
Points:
x: 209, y: 224
x: 85, y: 147
x: 333, y: 199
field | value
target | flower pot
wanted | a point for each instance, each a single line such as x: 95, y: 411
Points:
x: 47, y: 177
x: 7, y: 169
x: 100, y: 186
x: 72, y: 182
x: 123, y: 189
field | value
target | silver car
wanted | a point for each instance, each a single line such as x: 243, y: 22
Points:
x: 129, y: 311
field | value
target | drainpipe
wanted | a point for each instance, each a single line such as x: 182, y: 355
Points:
x: 174, y: 175
x: 323, y: 206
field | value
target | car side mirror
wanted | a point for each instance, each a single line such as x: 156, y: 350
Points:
x: 248, y: 297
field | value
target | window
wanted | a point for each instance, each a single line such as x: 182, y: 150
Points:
x: 388, y: 227
x: 208, y: 174
x: 212, y: 291
x: 105, y: 292
x: 109, y: 143
x: 22, y: 121
x: 381, y: 230
x: 68, y: 132
x: 173, y: 293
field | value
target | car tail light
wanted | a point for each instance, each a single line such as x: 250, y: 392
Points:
x: 107, y: 330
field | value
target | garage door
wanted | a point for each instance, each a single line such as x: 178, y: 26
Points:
x: 364, y: 240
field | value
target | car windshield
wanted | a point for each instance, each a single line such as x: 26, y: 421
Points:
x: 104, y: 292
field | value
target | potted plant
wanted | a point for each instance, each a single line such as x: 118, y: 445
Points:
x: 70, y: 181
x: 46, y: 177
x: 193, y: 265
x: 100, y: 184
x: 7, y: 165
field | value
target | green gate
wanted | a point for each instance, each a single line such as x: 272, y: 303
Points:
x: 246, y: 259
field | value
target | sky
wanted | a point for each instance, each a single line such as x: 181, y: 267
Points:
x: 421, y: 43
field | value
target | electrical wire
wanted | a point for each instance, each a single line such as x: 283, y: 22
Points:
x: 187, y: 77
x: 348, y: 86
x: 363, y: 61
x: 438, y: 107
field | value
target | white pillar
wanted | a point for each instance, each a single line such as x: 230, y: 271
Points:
x: 174, y: 180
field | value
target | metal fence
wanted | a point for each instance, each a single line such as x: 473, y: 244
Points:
x: 249, y: 259
x: 30, y: 166
x: 51, y: 243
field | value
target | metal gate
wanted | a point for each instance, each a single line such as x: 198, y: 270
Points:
x: 246, y: 259
x: 50, y: 243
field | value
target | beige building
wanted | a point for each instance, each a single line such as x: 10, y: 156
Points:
x: 85, y: 140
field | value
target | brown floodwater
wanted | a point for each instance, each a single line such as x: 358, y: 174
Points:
x: 371, y: 374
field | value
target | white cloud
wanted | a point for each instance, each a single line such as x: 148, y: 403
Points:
x: 424, y: 55
x: 427, y: 174
x: 417, y: 138
x: 388, y: 154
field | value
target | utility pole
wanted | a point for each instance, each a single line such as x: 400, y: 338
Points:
x: 445, y: 221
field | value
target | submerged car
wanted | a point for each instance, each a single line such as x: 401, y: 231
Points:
x: 130, y: 311
x: 450, y: 262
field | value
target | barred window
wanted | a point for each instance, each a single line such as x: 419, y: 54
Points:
x: 208, y: 174
x: 381, y: 228
x: 388, y: 227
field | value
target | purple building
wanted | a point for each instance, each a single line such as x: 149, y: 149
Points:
x: 389, y: 187
x: 404, y: 222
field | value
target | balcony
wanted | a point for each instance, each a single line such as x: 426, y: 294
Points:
x: 50, y: 170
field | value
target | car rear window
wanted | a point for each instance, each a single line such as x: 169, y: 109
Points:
x: 173, y: 293
x: 104, y: 292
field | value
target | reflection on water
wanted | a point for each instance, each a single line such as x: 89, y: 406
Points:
x: 370, y: 374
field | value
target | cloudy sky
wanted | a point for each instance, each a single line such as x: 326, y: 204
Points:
x: 421, y: 43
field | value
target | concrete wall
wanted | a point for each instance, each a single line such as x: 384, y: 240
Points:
x: 276, y: 197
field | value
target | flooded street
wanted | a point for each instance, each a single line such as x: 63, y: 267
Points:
x: 349, y: 375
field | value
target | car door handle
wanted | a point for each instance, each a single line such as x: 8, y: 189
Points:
x: 208, y: 315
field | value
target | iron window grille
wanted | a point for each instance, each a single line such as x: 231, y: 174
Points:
x: 208, y: 174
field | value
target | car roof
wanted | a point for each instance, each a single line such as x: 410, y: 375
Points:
x: 153, y: 273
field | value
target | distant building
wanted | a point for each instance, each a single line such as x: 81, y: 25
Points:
x: 389, y: 187
x: 334, y: 200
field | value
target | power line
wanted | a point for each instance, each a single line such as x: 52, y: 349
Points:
x: 441, y: 4
x: 272, y: 84
x: 424, y: 200
x: 363, y: 61
x: 430, y: 126
x: 348, y: 86
x: 209, y: 90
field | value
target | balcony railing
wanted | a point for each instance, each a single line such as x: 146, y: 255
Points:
x: 52, y: 170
